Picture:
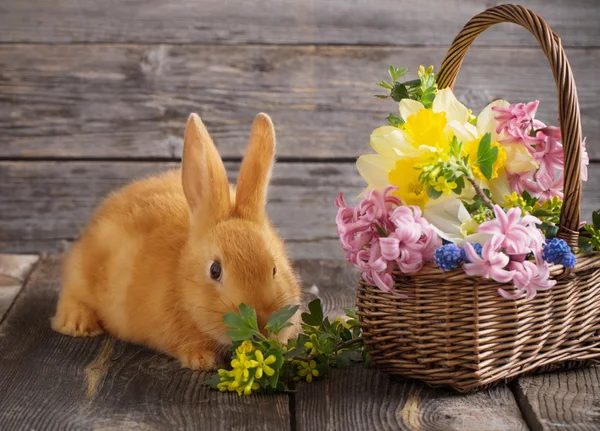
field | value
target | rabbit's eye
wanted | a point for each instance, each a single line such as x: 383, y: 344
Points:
x: 274, y: 270
x: 216, y: 272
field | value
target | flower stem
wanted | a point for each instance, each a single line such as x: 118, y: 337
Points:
x: 478, y: 190
x: 339, y: 347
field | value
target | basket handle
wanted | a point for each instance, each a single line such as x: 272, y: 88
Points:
x: 568, y: 104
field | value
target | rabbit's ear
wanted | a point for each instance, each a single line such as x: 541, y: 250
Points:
x: 255, y: 171
x: 203, y: 174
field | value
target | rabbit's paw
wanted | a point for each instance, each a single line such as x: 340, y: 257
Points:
x: 197, y: 359
x: 77, y: 320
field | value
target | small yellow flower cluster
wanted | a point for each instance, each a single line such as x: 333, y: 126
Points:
x: 306, y: 370
x: 342, y: 322
x: 249, y: 364
x: 515, y: 201
x: 310, y: 345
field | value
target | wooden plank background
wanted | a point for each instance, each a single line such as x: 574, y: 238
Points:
x: 94, y: 94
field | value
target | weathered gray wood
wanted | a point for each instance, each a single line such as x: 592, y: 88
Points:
x: 50, y: 381
x: 279, y: 21
x: 558, y: 401
x: 44, y: 203
x: 362, y: 399
x: 14, y: 269
x: 121, y: 101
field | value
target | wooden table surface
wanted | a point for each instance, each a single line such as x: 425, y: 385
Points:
x: 95, y: 93
x: 51, y: 381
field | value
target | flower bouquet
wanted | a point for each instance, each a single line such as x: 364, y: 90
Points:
x: 467, y: 234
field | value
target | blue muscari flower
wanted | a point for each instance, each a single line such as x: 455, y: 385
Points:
x: 569, y: 261
x: 478, y: 249
x: 448, y: 256
x: 555, y: 250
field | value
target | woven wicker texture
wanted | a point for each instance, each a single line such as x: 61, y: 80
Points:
x: 456, y: 330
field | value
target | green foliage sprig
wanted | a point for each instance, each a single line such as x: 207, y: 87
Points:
x: 589, y: 240
x: 422, y: 89
x: 260, y: 362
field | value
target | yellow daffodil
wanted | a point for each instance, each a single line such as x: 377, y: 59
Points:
x: 308, y: 370
x: 442, y: 185
x: 427, y: 129
x: 424, y: 138
x: 406, y: 178
x: 263, y: 364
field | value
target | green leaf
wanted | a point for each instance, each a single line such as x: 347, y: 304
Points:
x: 384, y: 84
x: 399, y: 92
x: 486, y: 156
x: 529, y: 200
x: 249, y: 315
x: 585, y: 244
x: 343, y: 359
x: 395, y: 120
x: 315, y: 315
x: 433, y: 193
x: 213, y: 381
x: 596, y: 219
x: 233, y: 320
x: 397, y: 72
x: 549, y: 230
x: 460, y: 184
x: 240, y: 334
x: 279, y: 319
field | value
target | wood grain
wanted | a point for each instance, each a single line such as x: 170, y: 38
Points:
x: 132, y: 101
x: 56, y: 382
x: 361, y: 399
x: 14, y: 269
x: 559, y: 401
x: 45, y: 203
x: 424, y: 22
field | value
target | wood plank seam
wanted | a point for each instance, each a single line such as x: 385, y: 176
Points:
x: 24, y: 282
x: 525, y: 407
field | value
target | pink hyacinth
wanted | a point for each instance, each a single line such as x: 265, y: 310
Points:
x: 491, y: 264
x: 528, y: 278
x: 519, y: 115
x: 549, y: 155
x: 504, y: 256
x: 585, y: 161
x: 516, y: 121
x: 512, y: 232
x: 381, y: 233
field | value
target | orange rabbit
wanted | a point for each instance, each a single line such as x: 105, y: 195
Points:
x: 164, y: 258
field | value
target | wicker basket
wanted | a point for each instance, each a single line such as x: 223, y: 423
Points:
x: 456, y: 330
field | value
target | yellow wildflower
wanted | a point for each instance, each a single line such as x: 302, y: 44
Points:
x: 241, y: 366
x: 308, y: 370
x: 245, y: 347
x: 311, y: 344
x: 442, y: 185
x: 262, y: 364
x: 342, y: 322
